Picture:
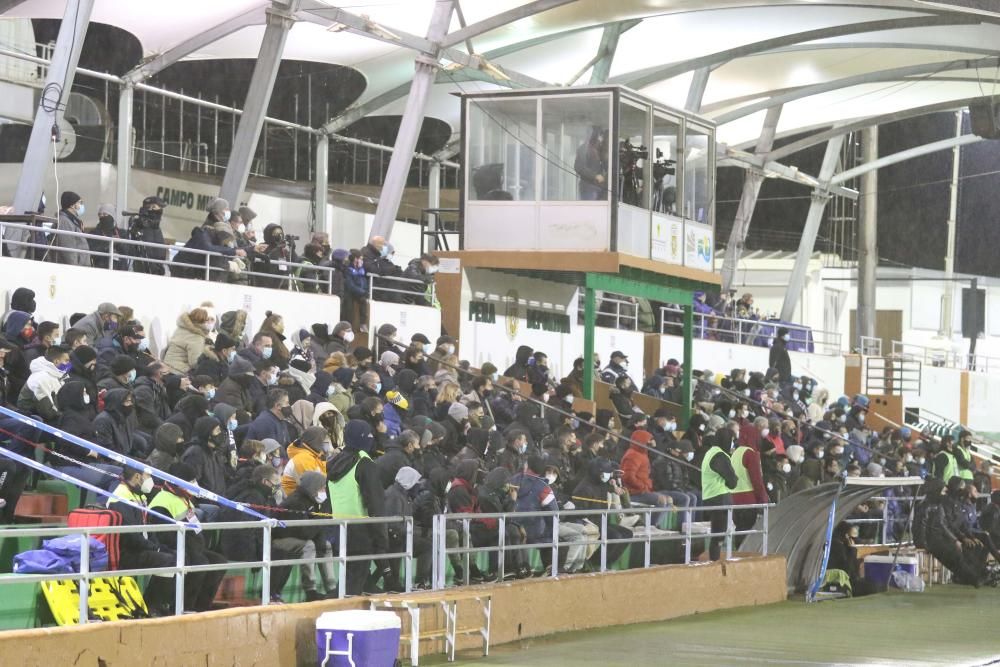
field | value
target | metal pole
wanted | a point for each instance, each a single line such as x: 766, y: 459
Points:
x: 763, y: 539
x: 179, y: 583
x: 409, y: 129
x: 589, y: 322
x: 752, y: 183
x: 84, y: 586
x: 342, y: 562
x: 867, y: 240
x: 807, y: 242
x: 686, y: 376
x: 434, y: 202
x: 126, y: 99
x: 265, y: 573
x: 501, y: 546
x: 324, y: 220
x: 555, y: 545
x: 280, y: 20
x: 55, y: 94
x: 949, y: 257
x: 409, y: 554
x: 604, y: 542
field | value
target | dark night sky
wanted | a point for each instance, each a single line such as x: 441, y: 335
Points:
x: 912, y: 207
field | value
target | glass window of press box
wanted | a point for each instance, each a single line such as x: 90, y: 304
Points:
x: 601, y: 166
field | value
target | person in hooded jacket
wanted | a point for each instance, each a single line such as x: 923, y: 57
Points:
x: 214, y: 362
x: 399, y: 499
x: 188, y: 411
x: 309, y: 496
x: 206, y: 454
x: 84, y: 362
x: 115, y: 426
x: 151, y: 404
x: 76, y: 417
x: 400, y: 452
x: 22, y: 299
x: 463, y: 499
x: 778, y: 357
x: 168, y: 443
x: 307, y: 454
x: 356, y: 491
x: 189, y: 340
x: 596, y: 492
x: 39, y: 394
x: 301, y: 417
x: 496, y: 495
x: 621, y: 397
x: 519, y: 369
x: 241, y: 387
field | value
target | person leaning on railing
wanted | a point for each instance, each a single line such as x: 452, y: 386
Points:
x: 422, y: 269
x: 145, y: 227
x: 106, y: 226
x: 69, y: 248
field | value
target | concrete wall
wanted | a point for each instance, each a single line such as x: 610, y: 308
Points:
x: 284, y: 635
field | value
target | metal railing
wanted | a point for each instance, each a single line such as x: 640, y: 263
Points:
x: 284, y: 274
x: 757, y: 333
x: 884, y: 521
x: 397, y: 288
x: 942, y: 358
x: 871, y: 346
x: 648, y: 536
x: 179, y: 570
x: 621, y: 314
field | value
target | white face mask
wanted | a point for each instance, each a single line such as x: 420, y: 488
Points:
x: 624, y: 365
x: 241, y: 228
x: 570, y: 398
x: 671, y: 426
x: 821, y: 454
x: 908, y: 458
x: 348, y: 336
x: 786, y: 338
x: 551, y: 479
x: 732, y: 413
x: 605, y: 477
x: 921, y: 460
x: 689, y: 456
x: 861, y: 418
x: 86, y: 398
x: 838, y: 450
x: 449, y: 349
x: 764, y: 432
x: 786, y: 468
x: 147, y: 485
x: 701, y: 428
x: 321, y: 497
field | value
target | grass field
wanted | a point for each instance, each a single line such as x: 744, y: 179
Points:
x: 946, y: 625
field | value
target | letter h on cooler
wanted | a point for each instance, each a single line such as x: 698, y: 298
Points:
x: 331, y: 653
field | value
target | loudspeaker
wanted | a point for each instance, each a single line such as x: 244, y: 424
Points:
x: 973, y: 312
x: 983, y: 116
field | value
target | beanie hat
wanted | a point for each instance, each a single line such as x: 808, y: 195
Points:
x: 397, y: 399
x: 270, y: 445
x: 358, y: 436
x: 362, y: 354
x: 458, y: 412
x: 217, y: 205
x: 432, y: 432
x: 223, y: 341
x: 420, y: 338
x: 407, y: 477
x: 122, y: 364
x: 85, y: 354
x: 68, y: 198
x: 642, y: 437
x: 247, y: 214
x: 314, y: 437
x: 341, y: 327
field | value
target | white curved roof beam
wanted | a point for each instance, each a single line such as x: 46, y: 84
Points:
x: 903, y: 156
x: 877, y: 76
x: 861, y: 123
x: 650, y: 75
x: 500, y: 20
x: 159, y: 62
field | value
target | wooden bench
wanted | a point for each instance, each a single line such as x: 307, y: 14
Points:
x: 448, y: 601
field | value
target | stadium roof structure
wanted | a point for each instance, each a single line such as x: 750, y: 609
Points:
x: 826, y: 62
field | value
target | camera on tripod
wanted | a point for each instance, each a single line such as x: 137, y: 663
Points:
x: 663, y: 167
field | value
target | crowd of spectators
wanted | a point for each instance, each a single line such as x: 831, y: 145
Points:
x: 226, y: 248
x: 299, y: 422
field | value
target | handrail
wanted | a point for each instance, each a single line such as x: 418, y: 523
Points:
x: 747, y: 332
x: 441, y: 551
x: 884, y: 519
x: 417, y: 295
x: 294, y: 275
x: 871, y: 346
x: 942, y: 358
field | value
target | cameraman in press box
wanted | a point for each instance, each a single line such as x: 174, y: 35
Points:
x: 591, y: 166
x: 277, y: 253
x: 145, y: 227
x: 630, y: 168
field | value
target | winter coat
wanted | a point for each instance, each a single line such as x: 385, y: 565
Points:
x: 211, y: 466
x: 151, y: 408
x: 301, y: 459
x: 75, y: 417
x: 267, y: 425
x: 68, y: 249
x: 535, y: 495
x: 245, y: 545
x: 635, y: 466
x: 186, y: 345
x: 390, y: 462
x: 114, y: 428
x: 211, y: 365
x: 38, y: 396
x: 279, y: 352
x: 779, y: 359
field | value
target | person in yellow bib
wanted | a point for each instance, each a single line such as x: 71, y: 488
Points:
x: 718, y: 479
x: 356, y: 492
x: 946, y: 462
x: 963, y: 457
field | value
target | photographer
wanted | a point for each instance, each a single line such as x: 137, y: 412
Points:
x: 278, y: 251
x: 591, y: 166
x: 106, y: 227
x: 145, y: 227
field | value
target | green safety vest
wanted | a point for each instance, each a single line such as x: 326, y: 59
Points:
x: 950, y: 470
x: 712, y: 483
x: 345, y: 494
x: 964, y: 473
x: 173, y: 506
x: 743, y: 482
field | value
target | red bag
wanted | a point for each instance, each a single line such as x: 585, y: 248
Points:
x: 90, y: 518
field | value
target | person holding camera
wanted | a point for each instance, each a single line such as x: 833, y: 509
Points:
x: 145, y: 227
x: 277, y: 254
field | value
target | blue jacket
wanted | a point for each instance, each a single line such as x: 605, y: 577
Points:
x: 393, y: 420
x: 357, y: 281
x: 266, y: 425
x: 535, y: 495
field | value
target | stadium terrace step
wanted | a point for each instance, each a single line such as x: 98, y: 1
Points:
x: 41, y: 508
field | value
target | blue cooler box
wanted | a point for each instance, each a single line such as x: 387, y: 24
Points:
x: 878, y: 569
x: 357, y: 638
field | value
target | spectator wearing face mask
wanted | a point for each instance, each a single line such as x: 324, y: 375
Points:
x: 69, y: 248
x: 671, y: 476
x: 309, y: 496
x: 621, y: 397
x: 445, y: 347
x: 617, y: 368
x: 778, y: 357
x: 307, y: 454
x: 636, y: 478
x: 777, y: 475
x: 214, y: 362
x: 39, y: 394
x: 207, y: 455
x: 115, y: 426
x: 272, y: 421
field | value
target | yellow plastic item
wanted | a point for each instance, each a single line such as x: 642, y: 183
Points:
x: 110, y: 599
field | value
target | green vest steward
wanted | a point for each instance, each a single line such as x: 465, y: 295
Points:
x: 172, y: 505
x: 345, y: 494
x: 950, y: 470
x: 712, y: 483
x: 743, y: 482
x: 964, y: 473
